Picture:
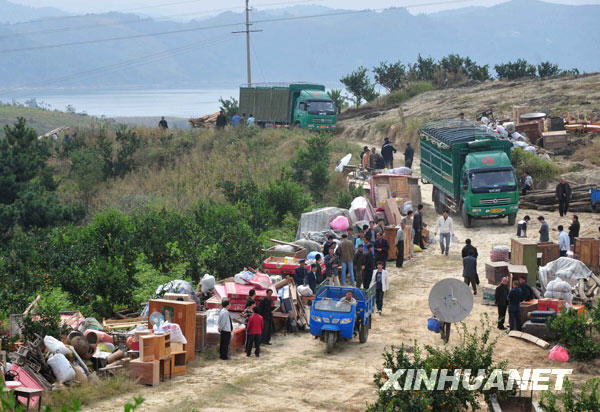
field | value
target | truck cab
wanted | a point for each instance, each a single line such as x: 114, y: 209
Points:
x: 489, y: 187
x: 314, y: 110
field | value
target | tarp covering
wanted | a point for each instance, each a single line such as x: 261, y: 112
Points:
x: 318, y: 220
x: 361, y: 210
x: 567, y: 269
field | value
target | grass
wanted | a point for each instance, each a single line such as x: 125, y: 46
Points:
x: 590, y: 152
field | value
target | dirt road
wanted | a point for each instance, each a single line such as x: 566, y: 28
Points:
x: 294, y: 374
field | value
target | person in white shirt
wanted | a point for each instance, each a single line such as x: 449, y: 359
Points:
x: 563, y: 241
x: 445, y: 228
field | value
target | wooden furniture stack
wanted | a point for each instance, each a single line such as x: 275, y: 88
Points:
x: 524, y: 252
x: 154, y: 362
x: 390, y: 234
x: 587, y: 250
x: 550, y: 252
x: 181, y: 313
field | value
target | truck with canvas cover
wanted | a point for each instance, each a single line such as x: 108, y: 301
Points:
x: 470, y: 169
x: 300, y: 105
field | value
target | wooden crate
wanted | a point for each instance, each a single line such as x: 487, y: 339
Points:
x: 146, y: 373
x: 148, y: 347
x: 555, y: 140
x: 587, y: 250
x: 524, y: 252
x: 200, y: 331
x: 495, y: 271
x: 182, y: 313
x: 533, y: 130
x: 550, y: 252
x: 178, y: 363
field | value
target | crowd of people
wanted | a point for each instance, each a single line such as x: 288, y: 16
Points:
x: 372, y: 160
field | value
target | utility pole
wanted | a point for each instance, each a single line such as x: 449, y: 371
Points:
x: 248, y: 31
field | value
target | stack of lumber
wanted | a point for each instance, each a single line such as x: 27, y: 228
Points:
x: 205, y: 121
x: 546, y: 199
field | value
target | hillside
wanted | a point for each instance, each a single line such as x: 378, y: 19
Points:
x: 18, y: 13
x: 205, y: 52
x: 553, y: 96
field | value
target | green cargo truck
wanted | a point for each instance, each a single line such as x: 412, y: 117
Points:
x: 470, y: 169
x: 298, y: 105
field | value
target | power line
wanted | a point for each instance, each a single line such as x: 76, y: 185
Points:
x: 278, y: 19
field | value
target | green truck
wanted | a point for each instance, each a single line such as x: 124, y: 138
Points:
x: 283, y: 105
x: 470, y: 169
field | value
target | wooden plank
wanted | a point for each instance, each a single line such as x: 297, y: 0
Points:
x: 392, y: 212
x: 530, y: 338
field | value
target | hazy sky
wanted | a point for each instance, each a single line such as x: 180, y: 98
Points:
x: 196, y: 8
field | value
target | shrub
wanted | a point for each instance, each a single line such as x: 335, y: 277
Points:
x: 588, y: 399
x: 571, y: 329
x: 390, y: 75
x: 517, y: 70
x: 540, y: 169
x: 312, y: 164
x: 345, y: 198
x: 547, y: 69
x: 359, y: 85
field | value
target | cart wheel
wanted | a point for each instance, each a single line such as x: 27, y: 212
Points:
x: 370, y: 321
x: 363, y: 333
x: 330, y: 341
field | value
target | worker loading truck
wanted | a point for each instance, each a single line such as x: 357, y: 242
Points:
x: 470, y: 170
x: 307, y: 106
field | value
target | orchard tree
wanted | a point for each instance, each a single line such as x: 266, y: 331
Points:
x: 390, y: 75
x: 358, y: 85
x: 517, y: 70
x: 547, y: 69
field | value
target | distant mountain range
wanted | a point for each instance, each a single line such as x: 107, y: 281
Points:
x: 291, y: 47
x: 16, y: 13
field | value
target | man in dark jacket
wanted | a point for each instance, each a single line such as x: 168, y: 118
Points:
x: 409, y: 153
x: 418, y: 227
x: 382, y: 248
x: 221, y: 120
x: 469, y: 247
x: 387, y: 151
x: 359, y: 258
x: 563, y: 195
x: 470, y: 271
x: 311, y: 278
x: 368, y: 266
x: 501, y: 298
x: 330, y: 243
x: 300, y: 273
x: 163, y: 125
x: 265, y: 309
x: 574, y: 229
x: 514, y: 306
x: 526, y: 291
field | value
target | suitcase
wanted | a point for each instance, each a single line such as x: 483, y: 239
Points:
x: 540, y: 316
x: 539, y: 330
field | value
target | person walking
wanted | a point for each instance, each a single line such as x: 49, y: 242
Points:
x: 382, y: 248
x: 359, y: 258
x: 418, y: 227
x: 387, y: 151
x: 265, y: 309
x: 563, y: 195
x: 332, y: 263
x: 368, y: 266
x: 469, y: 247
x: 251, y: 120
x: 563, y: 241
x: 254, y: 330
x: 574, y: 229
x: 225, y: 326
x: 381, y: 282
x: 514, y: 306
x: 544, y: 230
x: 501, y: 299
x: 409, y: 153
x: 236, y: 120
x: 522, y: 227
x: 221, y: 121
x: 445, y: 228
x: 347, y: 259
x: 470, y: 271
x: 163, y: 124
x: 400, y: 245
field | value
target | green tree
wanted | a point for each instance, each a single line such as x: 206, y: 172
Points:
x: 87, y: 171
x: 517, y: 70
x: 359, y: 85
x: 391, y: 76
x: 229, y: 106
x: 312, y: 164
x: 338, y: 99
x: 423, y: 69
x: 547, y: 69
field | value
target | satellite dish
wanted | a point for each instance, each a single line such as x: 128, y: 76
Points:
x: 344, y: 162
x: 450, y: 300
x: 157, y: 319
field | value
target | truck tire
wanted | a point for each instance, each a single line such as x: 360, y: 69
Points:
x: 363, y: 333
x: 466, y: 218
x: 329, y: 341
x: 437, y: 202
x: 512, y: 218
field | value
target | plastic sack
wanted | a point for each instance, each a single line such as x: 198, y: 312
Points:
x: 558, y: 285
x: 559, y: 354
x: 404, y: 171
x: 212, y: 321
x: 361, y: 210
x: 61, y: 367
x: 90, y: 323
x: 243, y: 278
x: 207, y: 283
x: 340, y: 224
x: 407, y: 207
x: 304, y: 290
x: 434, y: 325
x: 285, y: 248
x: 55, y: 346
x: 417, y: 248
x: 313, y: 255
x: 275, y: 279
x: 260, y: 280
x: 175, y: 331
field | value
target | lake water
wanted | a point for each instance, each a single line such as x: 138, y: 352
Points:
x: 127, y: 103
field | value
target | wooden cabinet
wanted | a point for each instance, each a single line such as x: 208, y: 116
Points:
x: 495, y: 271
x: 587, y: 250
x: 182, y: 313
x: 524, y: 252
x: 550, y: 252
